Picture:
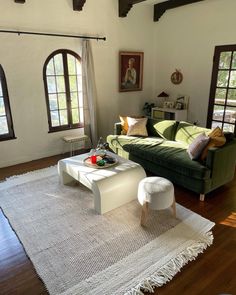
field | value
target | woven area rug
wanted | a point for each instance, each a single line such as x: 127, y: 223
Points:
x: 76, y: 251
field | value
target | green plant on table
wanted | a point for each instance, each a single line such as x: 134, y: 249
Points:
x: 147, y: 108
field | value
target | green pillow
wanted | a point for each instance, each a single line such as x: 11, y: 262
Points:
x: 165, y: 129
x: 187, y: 132
x: 150, y: 127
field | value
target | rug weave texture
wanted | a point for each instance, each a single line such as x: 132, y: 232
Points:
x: 76, y: 251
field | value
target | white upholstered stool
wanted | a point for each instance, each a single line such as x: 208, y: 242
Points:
x: 155, y: 193
x: 73, y: 140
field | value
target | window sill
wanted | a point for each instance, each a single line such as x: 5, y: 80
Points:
x: 66, y: 129
x: 7, y: 138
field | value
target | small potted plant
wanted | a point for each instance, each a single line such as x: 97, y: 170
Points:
x: 147, y: 108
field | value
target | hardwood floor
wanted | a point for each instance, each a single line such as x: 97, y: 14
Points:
x: 212, y: 273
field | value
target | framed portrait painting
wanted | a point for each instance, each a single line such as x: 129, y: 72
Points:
x: 130, y: 71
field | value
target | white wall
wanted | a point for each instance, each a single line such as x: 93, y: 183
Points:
x: 22, y: 58
x: 185, y: 39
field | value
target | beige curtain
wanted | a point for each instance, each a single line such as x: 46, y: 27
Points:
x: 89, y: 93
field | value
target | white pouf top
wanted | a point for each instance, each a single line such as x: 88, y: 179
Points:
x: 157, y: 191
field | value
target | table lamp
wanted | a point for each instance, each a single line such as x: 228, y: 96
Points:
x: 162, y: 99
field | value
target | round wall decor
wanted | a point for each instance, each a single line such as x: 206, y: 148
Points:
x: 176, y: 77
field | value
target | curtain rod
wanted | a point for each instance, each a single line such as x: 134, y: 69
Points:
x: 52, y: 35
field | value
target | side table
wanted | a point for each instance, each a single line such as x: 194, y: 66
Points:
x: 73, y: 140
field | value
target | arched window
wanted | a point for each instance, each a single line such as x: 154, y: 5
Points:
x: 6, y: 125
x: 62, y: 75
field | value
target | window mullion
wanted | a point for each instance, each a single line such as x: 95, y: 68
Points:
x: 67, y: 87
x: 55, y: 77
x: 227, y: 89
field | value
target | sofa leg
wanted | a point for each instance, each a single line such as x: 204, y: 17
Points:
x: 202, y: 197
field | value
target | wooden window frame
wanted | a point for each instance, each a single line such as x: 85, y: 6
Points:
x: 215, y: 69
x: 10, y: 134
x: 70, y: 125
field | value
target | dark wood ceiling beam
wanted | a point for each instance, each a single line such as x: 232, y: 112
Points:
x: 126, y: 5
x: 20, y: 1
x: 137, y: 1
x: 78, y: 4
x: 160, y: 8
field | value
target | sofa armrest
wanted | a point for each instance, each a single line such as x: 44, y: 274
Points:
x: 221, y: 161
x: 117, y: 128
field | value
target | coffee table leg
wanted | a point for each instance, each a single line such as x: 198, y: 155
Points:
x: 65, y: 178
x: 117, y: 190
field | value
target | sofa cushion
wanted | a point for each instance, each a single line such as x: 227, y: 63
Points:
x: 165, y: 129
x: 150, y: 127
x: 186, y: 132
x: 120, y: 141
x: 169, y: 154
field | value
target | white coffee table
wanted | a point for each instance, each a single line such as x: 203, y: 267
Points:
x: 111, y: 187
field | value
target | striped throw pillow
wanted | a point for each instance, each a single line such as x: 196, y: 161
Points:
x: 196, y: 147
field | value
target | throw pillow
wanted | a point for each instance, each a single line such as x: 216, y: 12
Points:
x: 124, y: 123
x: 166, y: 129
x: 217, y: 139
x: 137, y: 126
x: 196, y: 147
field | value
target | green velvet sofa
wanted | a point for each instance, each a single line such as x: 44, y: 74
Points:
x: 164, y: 153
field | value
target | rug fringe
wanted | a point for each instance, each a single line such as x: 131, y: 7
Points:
x: 168, y: 271
x: 33, y: 172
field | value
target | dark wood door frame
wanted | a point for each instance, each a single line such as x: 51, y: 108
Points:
x: 10, y: 134
x: 214, y: 76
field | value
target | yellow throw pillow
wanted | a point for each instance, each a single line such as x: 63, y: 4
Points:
x: 124, y: 125
x: 217, y: 139
x: 217, y: 132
